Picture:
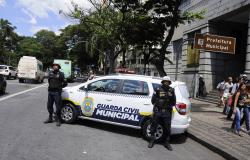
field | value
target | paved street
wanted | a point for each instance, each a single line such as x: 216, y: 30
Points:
x: 24, y: 136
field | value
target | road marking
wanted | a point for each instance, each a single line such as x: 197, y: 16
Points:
x: 22, y: 92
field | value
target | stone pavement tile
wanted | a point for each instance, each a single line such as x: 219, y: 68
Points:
x: 220, y: 144
x: 210, y: 127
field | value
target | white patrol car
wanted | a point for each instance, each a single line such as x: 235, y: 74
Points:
x: 124, y: 100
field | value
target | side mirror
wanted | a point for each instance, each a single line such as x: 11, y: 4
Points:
x: 84, y: 88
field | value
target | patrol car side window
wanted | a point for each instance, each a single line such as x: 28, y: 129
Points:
x: 135, y: 87
x: 156, y: 86
x: 106, y: 85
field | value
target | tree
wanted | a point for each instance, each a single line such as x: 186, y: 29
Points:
x: 106, y: 25
x: 152, y: 27
x: 29, y: 46
x: 80, y: 51
x: 165, y: 16
x: 48, y: 41
x: 8, y: 40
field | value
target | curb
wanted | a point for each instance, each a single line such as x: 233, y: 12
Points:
x: 212, y: 147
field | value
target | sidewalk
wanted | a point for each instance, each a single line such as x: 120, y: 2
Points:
x: 210, y: 127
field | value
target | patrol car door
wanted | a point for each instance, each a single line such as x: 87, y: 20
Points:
x: 99, y: 97
x: 132, y: 100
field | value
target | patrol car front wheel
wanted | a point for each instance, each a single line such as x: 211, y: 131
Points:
x: 68, y: 113
x: 159, y: 134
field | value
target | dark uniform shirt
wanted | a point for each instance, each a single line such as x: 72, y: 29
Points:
x: 163, y: 99
x: 56, y: 81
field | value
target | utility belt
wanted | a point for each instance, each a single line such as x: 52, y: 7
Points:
x: 159, y: 109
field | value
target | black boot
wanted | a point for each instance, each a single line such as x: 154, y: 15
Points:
x: 49, y: 120
x: 151, y: 142
x: 58, y: 121
x: 168, y: 146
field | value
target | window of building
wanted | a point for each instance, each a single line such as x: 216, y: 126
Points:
x: 177, y: 48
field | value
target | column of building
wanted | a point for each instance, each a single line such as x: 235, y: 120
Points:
x: 247, y: 68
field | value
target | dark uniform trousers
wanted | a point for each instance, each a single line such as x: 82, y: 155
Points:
x: 162, y: 117
x: 54, y: 97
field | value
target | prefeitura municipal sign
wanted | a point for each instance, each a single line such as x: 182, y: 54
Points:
x: 215, y: 43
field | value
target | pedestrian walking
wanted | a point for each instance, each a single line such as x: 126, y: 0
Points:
x: 56, y: 83
x: 91, y: 75
x: 246, y: 111
x: 233, y: 92
x: 163, y: 100
x: 220, y: 88
x: 201, y: 89
x: 227, y: 91
x: 239, y: 104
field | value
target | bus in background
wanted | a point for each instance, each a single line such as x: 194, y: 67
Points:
x: 66, y: 68
x: 30, y: 68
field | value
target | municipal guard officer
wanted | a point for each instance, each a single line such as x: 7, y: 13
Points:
x: 163, y: 100
x: 56, y: 83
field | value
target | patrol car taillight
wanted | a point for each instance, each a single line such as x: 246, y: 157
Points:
x: 181, y: 108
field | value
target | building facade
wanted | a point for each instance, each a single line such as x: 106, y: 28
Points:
x: 222, y: 17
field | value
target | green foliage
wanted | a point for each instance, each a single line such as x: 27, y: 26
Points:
x: 192, y: 16
x: 8, y: 40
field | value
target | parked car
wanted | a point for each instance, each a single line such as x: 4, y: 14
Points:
x: 30, y: 68
x: 124, y: 100
x: 3, y: 84
x: 8, y: 71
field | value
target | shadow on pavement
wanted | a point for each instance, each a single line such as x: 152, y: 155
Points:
x: 110, y: 128
x: 202, y: 108
x: 175, y: 139
x: 5, y: 94
x: 178, y: 139
x: 228, y: 129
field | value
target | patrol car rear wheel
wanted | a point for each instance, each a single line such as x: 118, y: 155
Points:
x: 68, y: 113
x: 159, y: 135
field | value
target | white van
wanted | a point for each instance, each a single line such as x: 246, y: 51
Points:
x: 29, y: 68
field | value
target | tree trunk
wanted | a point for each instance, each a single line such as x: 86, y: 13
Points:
x: 160, y: 68
x: 160, y: 64
x: 112, y: 62
x: 124, y: 58
x: 144, y: 68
